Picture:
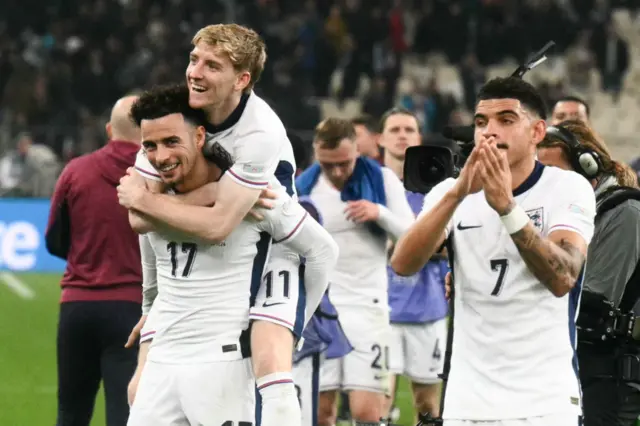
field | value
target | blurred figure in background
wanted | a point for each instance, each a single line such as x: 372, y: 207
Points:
x: 367, y: 135
x: 101, y: 287
x: 418, y: 305
x: 570, y: 108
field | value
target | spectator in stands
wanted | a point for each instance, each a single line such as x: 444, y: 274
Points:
x: 101, y: 288
x: 580, y: 62
x: 367, y: 135
x: 612, y: 58
x: 29, y: 171
x: 570, y: 108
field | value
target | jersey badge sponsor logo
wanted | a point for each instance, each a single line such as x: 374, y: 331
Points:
x: 462, y: 227
x: 573, y: 208
x: 248, y: 168
x: 537, y: 218
x: 267, y: 304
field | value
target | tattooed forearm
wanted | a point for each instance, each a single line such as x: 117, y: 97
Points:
x: 557, y: 266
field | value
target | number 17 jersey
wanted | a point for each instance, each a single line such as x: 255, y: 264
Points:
x: 514, y: 341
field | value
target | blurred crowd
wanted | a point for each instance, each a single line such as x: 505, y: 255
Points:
x: 64, y: 62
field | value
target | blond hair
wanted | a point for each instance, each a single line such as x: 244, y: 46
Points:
x: 590, y: 140
x: 244, y: 47
x: 332, y: 131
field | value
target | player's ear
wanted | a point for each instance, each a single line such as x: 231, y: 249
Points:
x: 538, y: 130
x: 201, y: 134
x: 107, y: 127
x: 243, y: 80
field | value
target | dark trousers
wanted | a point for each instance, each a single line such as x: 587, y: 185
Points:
x: 91, y: 338
x: 608, y: 402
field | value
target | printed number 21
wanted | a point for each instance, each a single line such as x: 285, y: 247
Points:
x: 501, y: 266
x: 190, y: 248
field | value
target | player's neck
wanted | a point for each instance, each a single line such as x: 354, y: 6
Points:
x: 198, y: 176
x: 394, y: 163
x: 217, y: 114
x: 521, y: 171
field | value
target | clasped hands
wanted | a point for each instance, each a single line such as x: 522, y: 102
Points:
x: 487, y: 168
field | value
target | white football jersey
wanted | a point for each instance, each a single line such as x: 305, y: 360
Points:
x: 514, y: 341
x: 360, y: 279
x: 257, y: 143
x: 205, y: 290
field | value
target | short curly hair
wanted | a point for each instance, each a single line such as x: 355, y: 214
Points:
x: 514, y: 88
x: 161, y: 101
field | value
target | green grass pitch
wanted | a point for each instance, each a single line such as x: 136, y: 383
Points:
x: 28, y: 356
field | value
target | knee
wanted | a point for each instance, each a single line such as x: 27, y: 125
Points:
x: 426, y: 398
x: 366, y: 406
x: 327, y: 410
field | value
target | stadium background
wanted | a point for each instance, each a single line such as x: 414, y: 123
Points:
x: 64, y: 62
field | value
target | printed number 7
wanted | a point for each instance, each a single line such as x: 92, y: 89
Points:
x: 500, y: 265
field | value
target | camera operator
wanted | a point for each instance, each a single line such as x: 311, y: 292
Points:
x: 517, y: 254
x: 609, y: 369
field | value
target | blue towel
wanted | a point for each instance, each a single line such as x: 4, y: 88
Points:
x: 366, y: 183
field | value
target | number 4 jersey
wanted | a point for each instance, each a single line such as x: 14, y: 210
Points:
x: 205, y: 290
x: 513, y: 342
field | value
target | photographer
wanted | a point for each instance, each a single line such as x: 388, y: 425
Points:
x: 517, y: 254
x: 611, y: 396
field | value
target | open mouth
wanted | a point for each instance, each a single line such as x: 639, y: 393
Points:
x: 198, y: 89
x: 168, y: 168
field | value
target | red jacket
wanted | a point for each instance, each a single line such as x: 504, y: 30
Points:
x: 89, y: 228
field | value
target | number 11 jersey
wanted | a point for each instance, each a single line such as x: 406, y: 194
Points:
x: 514, y: 342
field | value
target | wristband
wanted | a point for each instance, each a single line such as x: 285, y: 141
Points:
x: 515, y: 220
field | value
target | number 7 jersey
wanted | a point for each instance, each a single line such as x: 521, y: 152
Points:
x: 514, y: 341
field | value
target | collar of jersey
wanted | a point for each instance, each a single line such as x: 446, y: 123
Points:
x: 533, y: 178
x: 232, y: 119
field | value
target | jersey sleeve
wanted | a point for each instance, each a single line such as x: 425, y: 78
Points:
x: 434, y: 196
x: 284, y: 222
x: 575, y: 208
x: 256, y: 159
x: 144, y: 167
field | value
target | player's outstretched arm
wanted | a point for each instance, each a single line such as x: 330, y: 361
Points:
x: 414, y: 249
x: 212, y: 224
x: 142, y: 223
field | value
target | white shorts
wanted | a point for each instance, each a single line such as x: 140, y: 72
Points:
x: 194, y: 394
x: 366, y: 367
x: 306, y: 377
x: 280, y: 298
x: 550, y: 420
x: 417, y: 350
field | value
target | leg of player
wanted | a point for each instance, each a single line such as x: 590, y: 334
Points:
x: 135, y: 380
x: 275, y: 315
x: 426, y: 398
x: 327, y: 408
x: 271, y: 351
x: 283, y: 305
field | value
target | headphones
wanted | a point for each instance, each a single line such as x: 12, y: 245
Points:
x: 583, y: 160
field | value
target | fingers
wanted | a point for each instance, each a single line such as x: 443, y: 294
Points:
x: 269, y: 194
x: 264, y: 203
x: 254, y: 214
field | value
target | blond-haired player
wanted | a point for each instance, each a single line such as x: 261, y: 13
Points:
x: 224, y: 65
